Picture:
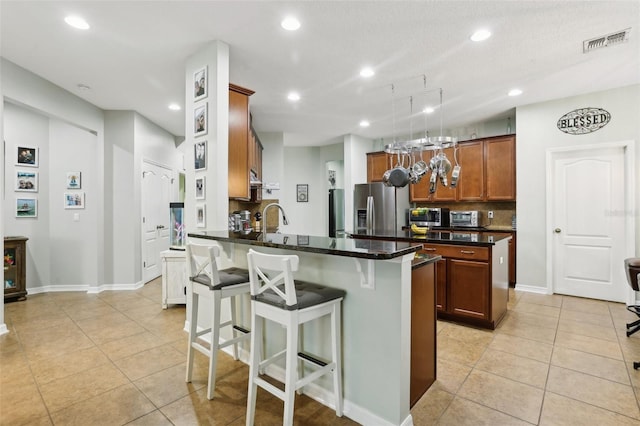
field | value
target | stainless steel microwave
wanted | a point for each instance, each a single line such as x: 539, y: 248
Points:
x: 467, y: 218
x: 428, y: 216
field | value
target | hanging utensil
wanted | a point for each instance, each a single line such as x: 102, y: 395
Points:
x: 455, y: 174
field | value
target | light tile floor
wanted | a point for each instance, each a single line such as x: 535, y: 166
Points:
x: 117, y: 358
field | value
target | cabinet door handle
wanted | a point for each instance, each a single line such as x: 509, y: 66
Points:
x: 428, y: 249
x: 467, y: 251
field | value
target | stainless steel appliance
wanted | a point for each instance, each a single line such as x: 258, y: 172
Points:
x: 336, y: 213
x: 428, y: 216
x: 467, y: 218
x: 379, y: 209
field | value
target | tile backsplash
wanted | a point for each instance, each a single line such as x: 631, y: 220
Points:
x: 503, y: 211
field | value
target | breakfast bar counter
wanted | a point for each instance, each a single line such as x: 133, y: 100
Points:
x: 376, y: 314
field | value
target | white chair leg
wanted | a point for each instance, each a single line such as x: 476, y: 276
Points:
x: 254, y: 361
x: 336, y: 353
x: 300, y: 362
x: 234, y: 322
x: 291, y: 373
x: 215, y: 342
x: 193, y: 329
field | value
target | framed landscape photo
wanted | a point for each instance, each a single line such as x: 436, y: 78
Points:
x: 74, y: 200
x: 27, y: 156
x: 201, y: 216
x: 200, y: 155
x: 302, y: 191
x: 26, y: 181
x: 200, y: 120
x: 200, y: 84
x: 73, y: 180
x: 200, y: 188
x: 26, y: 207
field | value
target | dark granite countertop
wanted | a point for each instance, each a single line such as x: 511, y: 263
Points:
x: 449, y: 237
x: 367, y: 248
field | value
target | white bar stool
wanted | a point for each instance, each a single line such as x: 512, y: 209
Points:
x: 277, y: 297
x: 206, y: 281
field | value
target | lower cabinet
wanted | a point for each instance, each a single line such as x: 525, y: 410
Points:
x: 174, y: 278
x: 15, y: 284
x: 468, y: 287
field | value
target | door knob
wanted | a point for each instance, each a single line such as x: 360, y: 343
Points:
x: 557, y: 230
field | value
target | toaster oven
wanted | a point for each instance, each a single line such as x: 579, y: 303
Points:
x: 468, y: 218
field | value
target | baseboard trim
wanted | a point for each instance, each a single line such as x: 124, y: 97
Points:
x: 532, y: 289
x: 3, y: 329
x: 84, y: 288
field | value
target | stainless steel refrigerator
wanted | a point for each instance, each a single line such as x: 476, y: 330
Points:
x: 336, y: 213
x: 379, y: 209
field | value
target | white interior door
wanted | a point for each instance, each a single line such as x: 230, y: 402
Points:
x: 156, y: 193
x: 588, y: 223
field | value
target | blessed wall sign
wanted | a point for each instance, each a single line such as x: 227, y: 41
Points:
x: 583, y: 120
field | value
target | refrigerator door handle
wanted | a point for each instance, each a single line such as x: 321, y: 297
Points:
x: 370, y: 213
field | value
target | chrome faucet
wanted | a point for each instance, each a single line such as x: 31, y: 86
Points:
x: 264, y: 215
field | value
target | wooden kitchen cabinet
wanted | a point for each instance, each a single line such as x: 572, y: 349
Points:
x: 239, y: 132
x: 471, y: 183
x: 500, y: 168
x: 419, y: 192
x: 468, y: 287
x: 378, y: 163
x: 15, y: 284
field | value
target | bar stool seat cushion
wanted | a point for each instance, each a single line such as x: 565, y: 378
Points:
x: 228, y: 277
x: 307, y: 294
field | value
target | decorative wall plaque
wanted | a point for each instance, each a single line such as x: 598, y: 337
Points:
x: 583, y: 120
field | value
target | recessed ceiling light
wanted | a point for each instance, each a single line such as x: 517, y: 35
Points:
x: 174, y: 107
x: 290, y: 23
x: 515, y: 92
x: 293, y: 96
x: 77, y: 22
x: 480, y: 35
x: 364, y: 123
x: 428, y: 110
x: 83, y: 87
x: 367, y: 72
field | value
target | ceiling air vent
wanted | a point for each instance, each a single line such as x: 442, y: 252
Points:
x: 604, y: 41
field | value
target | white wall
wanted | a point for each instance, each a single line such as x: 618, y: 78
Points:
x: 3, y: 326
x: 537, y: 132
x: 355, y: 171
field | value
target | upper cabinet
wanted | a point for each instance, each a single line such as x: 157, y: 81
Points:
x: 239, y: 143
x: 488, y: 173
x: 378, y: 163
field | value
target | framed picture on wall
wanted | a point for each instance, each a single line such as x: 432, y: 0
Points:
x: 26, y: 181
x: 200, y: 155
x: 200, y: 120
x: 201, y: 215
x: 302, y: 191
x: 74, y: 200
x: 200, y: 188
x: 200, y: 84
x: 26, y: 207
x: 27, y: 156
x: 73, y: 180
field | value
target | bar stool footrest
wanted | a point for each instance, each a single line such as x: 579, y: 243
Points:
x: 312, y: 359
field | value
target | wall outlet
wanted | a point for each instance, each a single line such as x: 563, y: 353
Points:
x: 490, y: 214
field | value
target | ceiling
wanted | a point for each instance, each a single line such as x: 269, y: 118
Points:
x: 133, y: 58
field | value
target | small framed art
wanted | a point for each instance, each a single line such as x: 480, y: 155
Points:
x: 26, y: 207
x: 200, y: 155
x: 302, y: 191
x: 73, y: 180
x: 26, y: 181
x: 200, y: 84
x: 201, y: 216
x: 200, y: 188
x: 74, y: 200
x: 200, y: 120
x: 27, y: 156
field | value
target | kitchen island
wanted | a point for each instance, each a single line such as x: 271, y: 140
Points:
x: 472, y: 276
x: 376, y: 314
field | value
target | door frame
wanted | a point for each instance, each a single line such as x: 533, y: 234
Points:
x: 629, y: 199
x: 171, y: 195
